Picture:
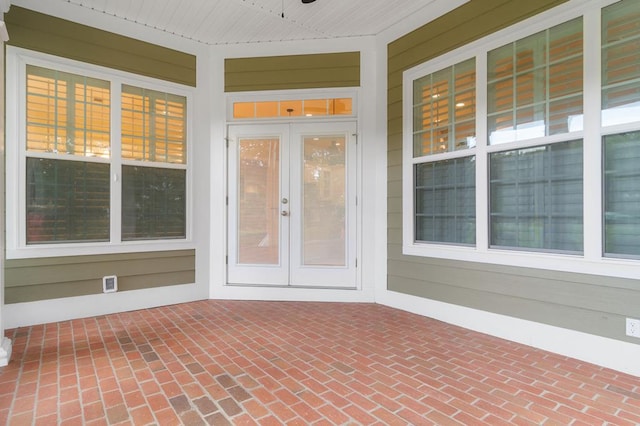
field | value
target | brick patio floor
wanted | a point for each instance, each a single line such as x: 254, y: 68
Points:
x: 273, y: 363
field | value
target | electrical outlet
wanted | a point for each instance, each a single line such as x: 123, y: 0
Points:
x: 633, y: 327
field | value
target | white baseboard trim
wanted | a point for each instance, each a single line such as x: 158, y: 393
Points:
x: 605, y: 352
x: 5, y: 351
x: 291, y: 294
x: 68, y: 308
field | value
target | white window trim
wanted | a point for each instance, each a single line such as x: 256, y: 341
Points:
x: 592, y: 261
x: 17, y: 248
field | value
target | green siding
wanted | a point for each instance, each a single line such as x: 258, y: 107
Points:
x: 28, y: 280
x: 55, y: 36
x: 292, y: 72
x: 588, y: 303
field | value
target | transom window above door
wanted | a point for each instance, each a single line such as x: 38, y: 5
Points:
x: 292, y: 105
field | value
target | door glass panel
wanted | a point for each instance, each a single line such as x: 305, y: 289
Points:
x: 258, y: 201
x: 324, y: 209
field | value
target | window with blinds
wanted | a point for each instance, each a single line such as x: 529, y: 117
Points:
x: 444, y: 110
x: 621, y: 63
x: 445, y: 201
x: 621, y: 105
x: 535, y: 90
x: 67, y: 122
x: 553, y: 147
x: 153, y: 125
x: 153, y: 203
x: 535, y: 84
x: 536, y: 198
x: 622, y: 195
x: 444, y: 124
x: 72, y: 170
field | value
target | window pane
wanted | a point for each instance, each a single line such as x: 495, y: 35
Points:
x: 622, y: 195
x: 536, y: 198
x: 153, y: 203
x: 67, y: 113
x: 324, y: 213
x: 535, y: 85
x: 153, y: 126
x: 67, y: 201
x: 290, y: 108
x: 314, y: 107
x: 445, y: 201
x: 621, y: 63
x: 343, y: 106
x: 259, y: 183
x: 244, y: 110
x: 444, y: 109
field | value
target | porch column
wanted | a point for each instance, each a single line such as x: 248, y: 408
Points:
x: 5, y: 343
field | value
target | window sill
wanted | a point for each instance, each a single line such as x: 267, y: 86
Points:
x: 88, y: 249
x: 579, y: 264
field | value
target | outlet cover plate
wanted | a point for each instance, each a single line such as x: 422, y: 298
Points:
x: 633, y: 327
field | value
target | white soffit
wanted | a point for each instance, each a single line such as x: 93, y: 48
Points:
x: 224, y: 22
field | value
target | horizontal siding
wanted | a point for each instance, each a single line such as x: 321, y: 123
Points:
x: 292, y: 72
x: 43, y: 33
x: 28, y: 280
x: 587, y: 303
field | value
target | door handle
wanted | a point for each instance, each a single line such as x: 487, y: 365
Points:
x: 284, y: 213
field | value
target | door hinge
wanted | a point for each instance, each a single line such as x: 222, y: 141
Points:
x: 227, y: 201
x: 356, y: 262
x: 227, y: 141
x: 226, y: 259
x: 355, y: 135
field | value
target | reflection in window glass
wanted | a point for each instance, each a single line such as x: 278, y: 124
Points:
x: 67, y: 201
x: 536, y: 198
x: 535, y: 85
x: 324, y: 221
x: 444, y: 110
x: 445, y: 200
x: 259, y: 200
x: 153, y: 126
x: 153, y: 203
x: 67, y: 113
x: 622, y: 195
x: 620, y: 59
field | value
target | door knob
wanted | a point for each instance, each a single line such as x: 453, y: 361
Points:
x: 284, y: 213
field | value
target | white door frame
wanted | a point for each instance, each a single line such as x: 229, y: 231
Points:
x: 289, y: 269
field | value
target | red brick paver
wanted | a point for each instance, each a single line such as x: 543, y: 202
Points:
x: 273, y: 363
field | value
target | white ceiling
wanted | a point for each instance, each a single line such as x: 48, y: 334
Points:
x: 217, y: 22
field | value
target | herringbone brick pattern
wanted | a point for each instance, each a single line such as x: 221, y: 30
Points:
x: 274, y: 363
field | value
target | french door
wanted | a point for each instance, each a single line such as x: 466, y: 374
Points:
x: 292, y: 204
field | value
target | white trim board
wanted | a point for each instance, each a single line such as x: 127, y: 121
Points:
x: 605, y: 352
x: 69, y: 308
x: 293, y: 294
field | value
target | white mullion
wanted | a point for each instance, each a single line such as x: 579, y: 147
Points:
x: 482, y: 156
x: 116, y: 162
x: 592, y: 142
